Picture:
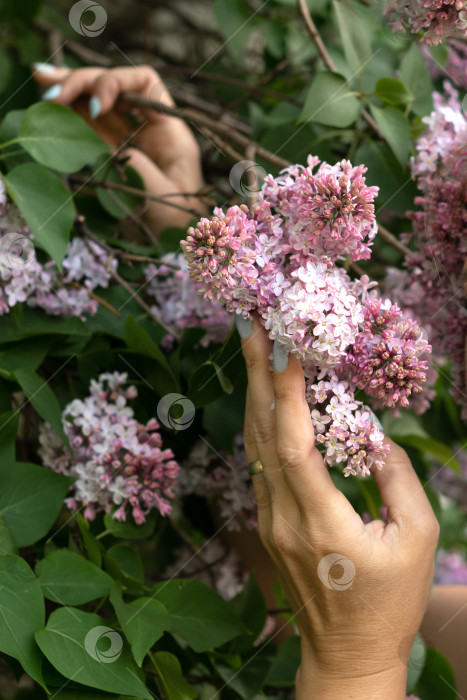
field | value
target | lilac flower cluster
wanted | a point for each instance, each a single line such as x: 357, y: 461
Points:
x: 280, y: 261
x: 433, y: 20
x: 451, y: 568
x: 177, y: 303
x: 117, y: 461
x: 345, y: 427
x: 224, y: 479
x: 430, y: 286
x: 455, y: 66
x: 445, y: 481
x: 24, y: 279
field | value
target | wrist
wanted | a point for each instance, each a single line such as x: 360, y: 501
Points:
x: 360, y: 682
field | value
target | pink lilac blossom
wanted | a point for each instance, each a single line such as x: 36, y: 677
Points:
x: 178, y: 303
x: 119, y: 464
x: 222, y: 478
x: 23, y: 279
x: 430, y: 286
x: 433, y: 20
x: 344, y: 427
x: 280, y: 261
x: 451, y: 568
x: 389, y: 358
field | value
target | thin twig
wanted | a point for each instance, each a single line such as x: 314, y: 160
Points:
x: 192, y: 116
x: 136, y: 192
x: 327, y: 60
x: 391, y: 240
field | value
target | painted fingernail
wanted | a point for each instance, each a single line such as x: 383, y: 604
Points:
x: 44, y: 67
x: 375, y: 420
x: 244, y: 325
x: 52, y: 92
x: 94, y: 107
x: 280, y: 356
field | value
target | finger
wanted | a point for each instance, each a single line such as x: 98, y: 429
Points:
x: 302, y: 464
x: 401, y: 490
x: 261, y: 485
x: 142, y: 80
x: 256, y: 348
x: 47, y: 74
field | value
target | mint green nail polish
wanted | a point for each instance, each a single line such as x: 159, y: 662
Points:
x: 94, y: 107
x: 280, y: 357
x: 244, y: 326
x: 52, y: 92
x: 44, y: 67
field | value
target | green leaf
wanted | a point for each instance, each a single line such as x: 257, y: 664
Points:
x: 116, y: 202
x: 59, y: 138
x: 143, y: 621
x: 43, y: 399
x: 21, y: 613
x: 393, y: 92
x: 330, y: 102
x: 199, y: 615
x: 285, y: 664
x: 234, y: 21
x: 7, y: 541
x: 69, y: 579
x: 45, y: 203
x: 139, y: 341
x: 77, y: 644
x: 415, y: 75
x: 128, y: 530
x: 396, y: 130
x: 170, y: 673
x: 248, y: 680
x: 252, y: 610
x: 93, y: 548
x: 354, y: 33
x: 431, y: 446
x: 8, y: 428
x: 31, y: 497
x: 128, y: 560
x: 24, y: 354
x: 437, y: 680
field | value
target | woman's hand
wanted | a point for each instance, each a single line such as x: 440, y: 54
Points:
x: 162, y: 148
x: 358, y: 591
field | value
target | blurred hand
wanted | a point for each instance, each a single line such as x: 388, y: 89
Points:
x: 357, y: 612
x: 167, y: 155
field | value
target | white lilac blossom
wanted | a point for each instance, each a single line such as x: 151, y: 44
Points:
x: 119, y: 464
x: 24, y: 279
x: 178, y: 303
x: 281, y: 261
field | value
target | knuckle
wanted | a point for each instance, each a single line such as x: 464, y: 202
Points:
x: 282, y: 540
x: 290, y: 456
x: 287, y: 392
x: 263, y: 429
x: 253, y: 360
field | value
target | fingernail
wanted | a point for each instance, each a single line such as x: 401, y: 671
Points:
x: 52, y: 92
x: 44, y: 67
x: 280, y: 356
x: 375, y: 420
x: 94, y: 107
x: 244, y: 325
